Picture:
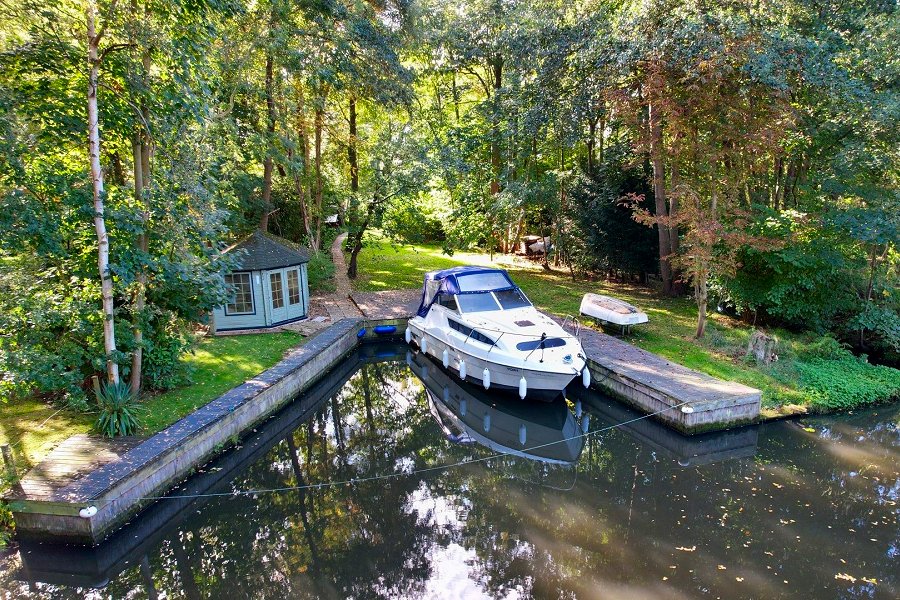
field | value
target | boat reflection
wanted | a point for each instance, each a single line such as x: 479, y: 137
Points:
x: 546, y: 432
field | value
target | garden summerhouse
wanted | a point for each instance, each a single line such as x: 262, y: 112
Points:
x: 269, y: 284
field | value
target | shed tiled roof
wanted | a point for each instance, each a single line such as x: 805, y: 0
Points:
x: 264, y: 251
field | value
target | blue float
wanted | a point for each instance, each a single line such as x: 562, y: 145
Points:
x: 384, y: 329
x: 361, y: 333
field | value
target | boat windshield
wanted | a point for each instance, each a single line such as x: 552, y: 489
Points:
x: 512, y: 299
x: 482, y: 281
x: 477, y: 302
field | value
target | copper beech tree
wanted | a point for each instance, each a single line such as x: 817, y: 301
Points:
x: 718, y: 124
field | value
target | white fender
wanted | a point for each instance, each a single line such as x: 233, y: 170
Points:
x: 487, y: 422
x: 523, y: 434
x: 463, y: 405
x: 425, y: 372
x: 87, y: 512
x: 585, y: 423
x: 446, y: 394
x: 586, y: 377
x: 445, y: 358
x: 523, y: 388
x: 486, y: 378
x: 423, y: 345
x: 578, y: 409
x: 462, y: 370
x: 408, y: 335
x: 408, y: 358
x: 686, y: 409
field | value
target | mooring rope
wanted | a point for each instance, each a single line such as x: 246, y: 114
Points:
x: 398, y: 474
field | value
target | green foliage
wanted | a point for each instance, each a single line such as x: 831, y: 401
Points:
x: 118, y: 410
x: 611, y: 240
x: 320, y: 271
x: 806, y: 283
x: 412, y: 223
x: 847, y: 382
x: 7, y: 524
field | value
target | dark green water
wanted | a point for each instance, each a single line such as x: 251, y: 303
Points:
x: 788, y: 510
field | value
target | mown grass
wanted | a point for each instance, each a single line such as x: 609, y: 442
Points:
x: 798, y: 382
x: 33, y: 428
x: 218, y: 364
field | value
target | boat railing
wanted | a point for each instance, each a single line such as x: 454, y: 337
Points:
x: 575, y: 324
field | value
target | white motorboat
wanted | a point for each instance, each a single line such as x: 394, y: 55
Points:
x: 547, y: 432
x: 612, y: 310
x: 481, y: 327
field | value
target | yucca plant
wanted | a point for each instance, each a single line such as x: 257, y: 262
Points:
x: 118, y: 410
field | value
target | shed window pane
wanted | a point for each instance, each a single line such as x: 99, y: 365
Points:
x: 242, y: 302
x: 277, y: 291
x: 293, y: 287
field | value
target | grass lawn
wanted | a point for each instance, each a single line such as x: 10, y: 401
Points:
x: 218, y: 364
x: 670, y: 332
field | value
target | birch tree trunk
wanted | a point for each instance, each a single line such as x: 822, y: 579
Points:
x: 106, y: 287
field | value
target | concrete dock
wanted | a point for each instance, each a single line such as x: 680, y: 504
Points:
x: 88, y: 487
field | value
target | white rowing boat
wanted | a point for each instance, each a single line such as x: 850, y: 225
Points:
x: 612, y: 310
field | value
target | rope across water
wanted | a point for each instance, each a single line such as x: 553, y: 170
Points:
x: 398, y: 474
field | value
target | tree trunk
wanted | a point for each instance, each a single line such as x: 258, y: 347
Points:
x: 659, y: 194
x: 701, y: 294
x: 106, y: 285
x: 142, y: 151
x: 137, y: 355
x: 591, y: 142
x: 270, y: 129
x: 497, y: 65
x: 351, y: 150
x: 315, y: 240
x: 300, y: 181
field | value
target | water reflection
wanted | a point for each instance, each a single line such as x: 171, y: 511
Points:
x: 540, y: 431
x: 813, y: 513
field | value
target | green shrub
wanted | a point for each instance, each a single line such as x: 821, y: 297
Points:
x: 118, y: 410
x: 412, y: 223
x: 846, y: 382
x: 320, y: 271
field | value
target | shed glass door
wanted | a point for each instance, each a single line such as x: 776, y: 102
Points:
x: 295, y: 304
x: 278, y: 296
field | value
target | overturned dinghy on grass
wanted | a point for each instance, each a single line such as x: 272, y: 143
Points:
x: 607, y: 309
x: 480, y: 326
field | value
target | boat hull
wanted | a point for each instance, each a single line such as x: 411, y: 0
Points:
x: 540, y: 385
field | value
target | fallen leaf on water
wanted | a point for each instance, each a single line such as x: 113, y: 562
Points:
x: 738, y: 579
x: 722, y: 567
x: 684, y: 549
x: 846, y: 577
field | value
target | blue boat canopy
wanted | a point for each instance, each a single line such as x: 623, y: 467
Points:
x: 462, y: 280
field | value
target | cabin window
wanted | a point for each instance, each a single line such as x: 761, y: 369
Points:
x: 448, y: 301
x: 470, y: 333
x: 242, y: 303
x: 293, y: 284
x: 483, y: 281
x: 477, y: 302
x: 512, y: 299
x: 277, y: 292
x: 535, y: 344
